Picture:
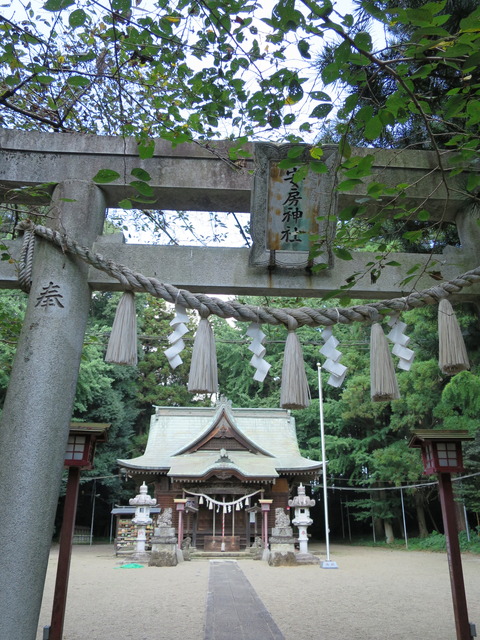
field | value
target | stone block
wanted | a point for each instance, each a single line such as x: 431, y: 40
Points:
x: 282, y: 559
x: 163, y: 559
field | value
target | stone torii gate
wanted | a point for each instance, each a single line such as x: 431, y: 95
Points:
x: 38, y: 405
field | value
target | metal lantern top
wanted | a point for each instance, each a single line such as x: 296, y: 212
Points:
x: 441, y: 449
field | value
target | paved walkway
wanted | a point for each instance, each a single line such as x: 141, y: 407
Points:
x: 234, y: 609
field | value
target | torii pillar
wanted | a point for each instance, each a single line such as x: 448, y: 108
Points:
x: 38, y: 406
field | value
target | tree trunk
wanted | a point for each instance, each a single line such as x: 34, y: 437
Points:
x: 421, y: 518
x: 379, y: 528
x: 389, y: 537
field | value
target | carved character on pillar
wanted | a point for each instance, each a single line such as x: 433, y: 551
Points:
x: 50, y: 296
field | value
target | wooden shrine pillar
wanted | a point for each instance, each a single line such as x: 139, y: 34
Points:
x: 38, y: 406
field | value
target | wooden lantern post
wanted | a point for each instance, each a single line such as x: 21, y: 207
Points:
x: 79, y: 455
x: 442, y: 454
x: 265, y: 505
x: 180, y: 503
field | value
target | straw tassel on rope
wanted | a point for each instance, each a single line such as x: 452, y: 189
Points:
x: 452, y: 354
x: 384, y: 386
x: 203, y: 376
x: 122, y: 345
x: 295, y: 393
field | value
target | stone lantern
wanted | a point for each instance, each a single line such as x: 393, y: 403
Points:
x: 302, y: 503
x: 142, y: 503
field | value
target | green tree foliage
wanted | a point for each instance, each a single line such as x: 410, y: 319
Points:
x: 12, y: 309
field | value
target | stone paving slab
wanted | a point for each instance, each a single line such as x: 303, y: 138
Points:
x: 234, y: 610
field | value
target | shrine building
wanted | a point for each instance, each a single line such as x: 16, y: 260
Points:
x: 220, y: 466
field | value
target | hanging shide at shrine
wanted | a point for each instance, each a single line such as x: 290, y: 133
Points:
x: 295, y: 392
x: 203, y: 376
x: 384, y: 386
x: 452, y: 354
x: 122, y: 345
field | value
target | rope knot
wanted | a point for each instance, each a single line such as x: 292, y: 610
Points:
x: 292, y: 324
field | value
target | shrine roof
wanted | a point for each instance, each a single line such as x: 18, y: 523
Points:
x: 179, y: 443
x: 201, y: 463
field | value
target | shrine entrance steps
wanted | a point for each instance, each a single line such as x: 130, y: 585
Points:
x: 199, y: 554
x: 234, y: 610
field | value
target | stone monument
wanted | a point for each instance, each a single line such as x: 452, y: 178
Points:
x: 282, y: 542
x: 164, y: 542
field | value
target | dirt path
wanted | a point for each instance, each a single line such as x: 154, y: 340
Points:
x: 375, y: 594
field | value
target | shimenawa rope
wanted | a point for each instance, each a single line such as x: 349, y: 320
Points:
x: 205, y: 305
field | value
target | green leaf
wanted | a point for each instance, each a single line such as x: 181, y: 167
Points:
x: 125, y: 204
x: 373, y: 128
x: 300, y: 173
x: 45, y: 79
x: 423, y: 215
x: 146, y: 148
x: 57, y: 5
x: 77, y: 18
x: 78, y: 81
x: 295, y: 91
x: 316, y: 153
x: 106, y: 175
x: 295, y: 152
x: 143, y: 188
x: 121, y: 5
x: 472, y: 61
x: 473, y: 181
x: 347, y: 213
x: 413, y: 236
x: 303, y: 47
x: 363, y: 40
x: 318, y: 167
x: 347, y: 185
x: 331, y: 73
x: 288, y: 163
x: 321, y: 110
x: 454, y: 105
x: 320, y: 95
x: 342, y: 253
x: 141, y: 174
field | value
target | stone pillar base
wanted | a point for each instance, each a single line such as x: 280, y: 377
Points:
x: 164, y: 548
x: 306, y: 558
x: 282, y: 551
x: 142, y: 557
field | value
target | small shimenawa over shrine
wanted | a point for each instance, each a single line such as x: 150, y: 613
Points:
x: 222, y: 461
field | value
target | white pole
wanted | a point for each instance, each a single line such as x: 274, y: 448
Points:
x: 404, y: 520
x: 324, y: 471
x: 93, y: 511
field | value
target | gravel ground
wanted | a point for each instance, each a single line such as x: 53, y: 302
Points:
x: 375, y: 594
